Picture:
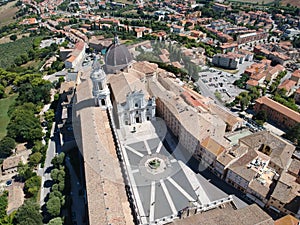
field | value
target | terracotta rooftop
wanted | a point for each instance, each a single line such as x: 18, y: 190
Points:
x: 287, y: 85
x: 296, y: 73
x: 287, y: 220
x: 294, y: 167
x: 279, y: 108
x: 252, y: 82
x: 240, y: 167
x: 212, y: 146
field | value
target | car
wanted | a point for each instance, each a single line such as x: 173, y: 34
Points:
x: 9, y: 182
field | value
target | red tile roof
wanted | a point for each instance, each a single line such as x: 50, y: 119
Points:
x: 279, y: 108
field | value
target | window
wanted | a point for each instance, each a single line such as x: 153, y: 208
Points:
x: 100, y: 85
x: 136, y: 105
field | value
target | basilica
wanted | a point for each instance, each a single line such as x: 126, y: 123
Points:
x: 122, y: 85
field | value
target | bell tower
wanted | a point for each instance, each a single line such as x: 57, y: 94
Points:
x: 101, y: 92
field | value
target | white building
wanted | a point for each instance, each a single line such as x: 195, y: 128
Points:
x: 132, y: 103
x: 101, y: 92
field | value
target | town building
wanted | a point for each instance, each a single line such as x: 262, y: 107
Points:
x: 288, y: 86
x: 75, y: 56
x: 10, y: 164
x: 228, y: 61
x: 253, y: 38
x: 221, y: 7
x: 249, y: 215
x: 296, y: 77
x: 276, y: 112
x: 297, y: 96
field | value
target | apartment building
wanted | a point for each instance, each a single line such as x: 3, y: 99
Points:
x: 76, y: 55
x: 283, y: 116
x: 289, y: 86
x: 253, y: 37
x: 296, y: 77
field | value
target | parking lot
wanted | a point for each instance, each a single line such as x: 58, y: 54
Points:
x: 218, y: 80
x: 221, y: 82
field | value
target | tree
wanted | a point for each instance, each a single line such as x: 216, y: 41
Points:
x: 13, y: 37
x: 261, y: 117
x: 28, y: 214
x: 3, y: 204
x: 24, y: 125
x: 58, y: 160
x: 2, y: 91
x: 32, y: 185
x: 24, y: 171
x: 293, y: 134
x: 7, y: 144
x: 56, y: 221
x: 35, y: 158
x: 53, y: 206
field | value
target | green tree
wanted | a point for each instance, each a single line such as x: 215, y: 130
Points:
x: 261, y: 117
x: 28, y: 214
x: 56, y: 221
x: 3, y: 204
x: 2, y: 91
x: 32, y: 185
x: 35, y: 158
x: 58, y: 160
x: 53, y: 206
x: 24, y: 125
x: 24, y: 171
x: 13, y: 37
x: 7, y: 144
x: 293, y: 134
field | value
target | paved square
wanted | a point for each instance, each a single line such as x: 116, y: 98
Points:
x: 161, y: 184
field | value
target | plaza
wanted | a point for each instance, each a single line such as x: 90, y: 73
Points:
x: 162, y: 189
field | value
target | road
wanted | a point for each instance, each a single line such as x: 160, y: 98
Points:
x: 78, y: 205
x: 45, y: 172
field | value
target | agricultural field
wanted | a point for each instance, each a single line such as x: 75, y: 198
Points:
x: 10, y: 51
x: 7, y: 12
x: 4, y: 118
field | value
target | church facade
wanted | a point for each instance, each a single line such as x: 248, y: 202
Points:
x: 122, y: 87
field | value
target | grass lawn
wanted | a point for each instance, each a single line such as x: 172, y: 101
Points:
x: 7, y: 12
x: 4, y: 118
x: 12, y: 50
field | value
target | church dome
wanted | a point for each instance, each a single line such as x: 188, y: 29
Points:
x: 117, y: 57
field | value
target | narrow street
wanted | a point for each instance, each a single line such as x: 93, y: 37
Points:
x: 45, y: 172
x: 78, y: 205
